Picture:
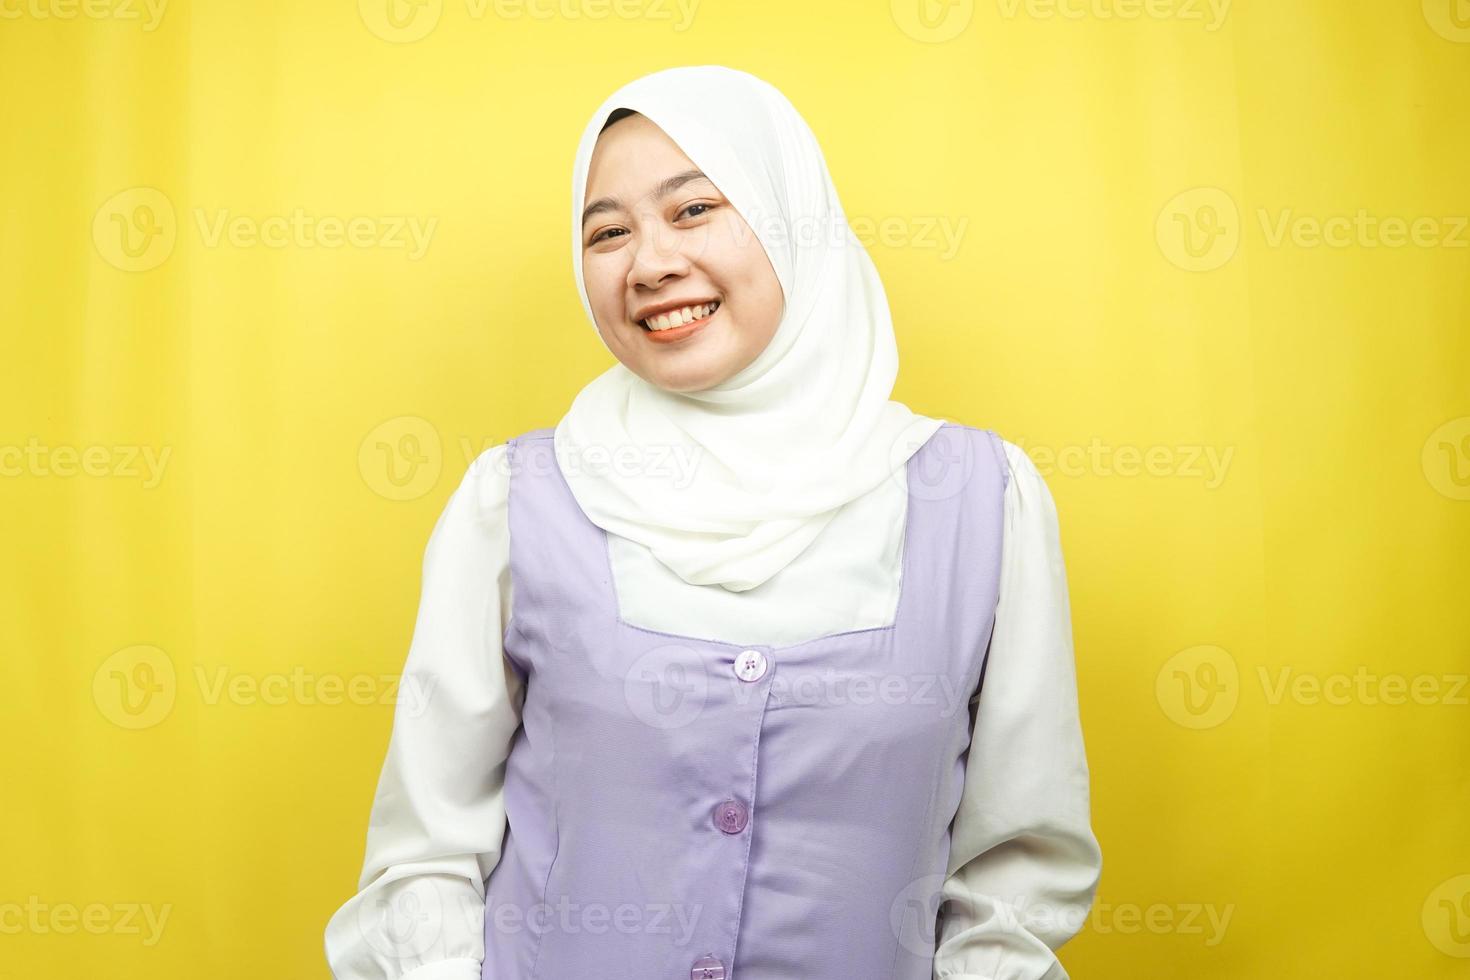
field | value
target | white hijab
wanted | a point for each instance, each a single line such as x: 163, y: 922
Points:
x: 780, y: 446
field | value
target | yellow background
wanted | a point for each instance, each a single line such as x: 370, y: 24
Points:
x: 1133, y: 189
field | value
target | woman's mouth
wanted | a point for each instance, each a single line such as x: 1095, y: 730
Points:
x: 665, y: 328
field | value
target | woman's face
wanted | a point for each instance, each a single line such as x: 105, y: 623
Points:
x: 650, y: 251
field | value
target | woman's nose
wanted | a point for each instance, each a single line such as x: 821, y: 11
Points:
x: 658, y: 255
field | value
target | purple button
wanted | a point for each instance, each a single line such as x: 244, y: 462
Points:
x: 750, y: 665
x: 707, y: 967
x: 730, y: 816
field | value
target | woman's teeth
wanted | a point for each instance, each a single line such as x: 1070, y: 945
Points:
x: 677, y: 318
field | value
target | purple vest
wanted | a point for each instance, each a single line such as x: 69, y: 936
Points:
x: 683, y: 806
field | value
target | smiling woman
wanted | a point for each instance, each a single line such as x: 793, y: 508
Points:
x: 735, y: 707
x: 663, y: 252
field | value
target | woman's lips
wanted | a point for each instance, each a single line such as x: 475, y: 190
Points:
x: 674, y: 334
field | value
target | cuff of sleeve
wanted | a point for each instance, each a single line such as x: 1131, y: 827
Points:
x: 457, y: 969
x: 1055, y: 972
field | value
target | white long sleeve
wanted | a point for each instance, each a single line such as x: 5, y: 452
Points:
x: 438, y: 818
x: 1024, y: 864
x: 1021, y: 835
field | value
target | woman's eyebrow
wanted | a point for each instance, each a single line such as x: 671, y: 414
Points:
x: 665, y: 187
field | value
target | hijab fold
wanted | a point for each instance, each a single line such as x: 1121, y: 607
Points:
x: 727, y: 485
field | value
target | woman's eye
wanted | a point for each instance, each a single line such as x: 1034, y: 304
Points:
x: 688, y: 209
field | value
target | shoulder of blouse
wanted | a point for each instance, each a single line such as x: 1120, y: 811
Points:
x: 1028, y: 497
x: 1019, y: 462
x: 489, y: 474
x: 472, y: 535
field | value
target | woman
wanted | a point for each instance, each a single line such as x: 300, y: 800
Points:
x: 744, y: 670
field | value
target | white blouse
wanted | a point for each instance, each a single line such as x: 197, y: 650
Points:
x: 1024, y: 863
